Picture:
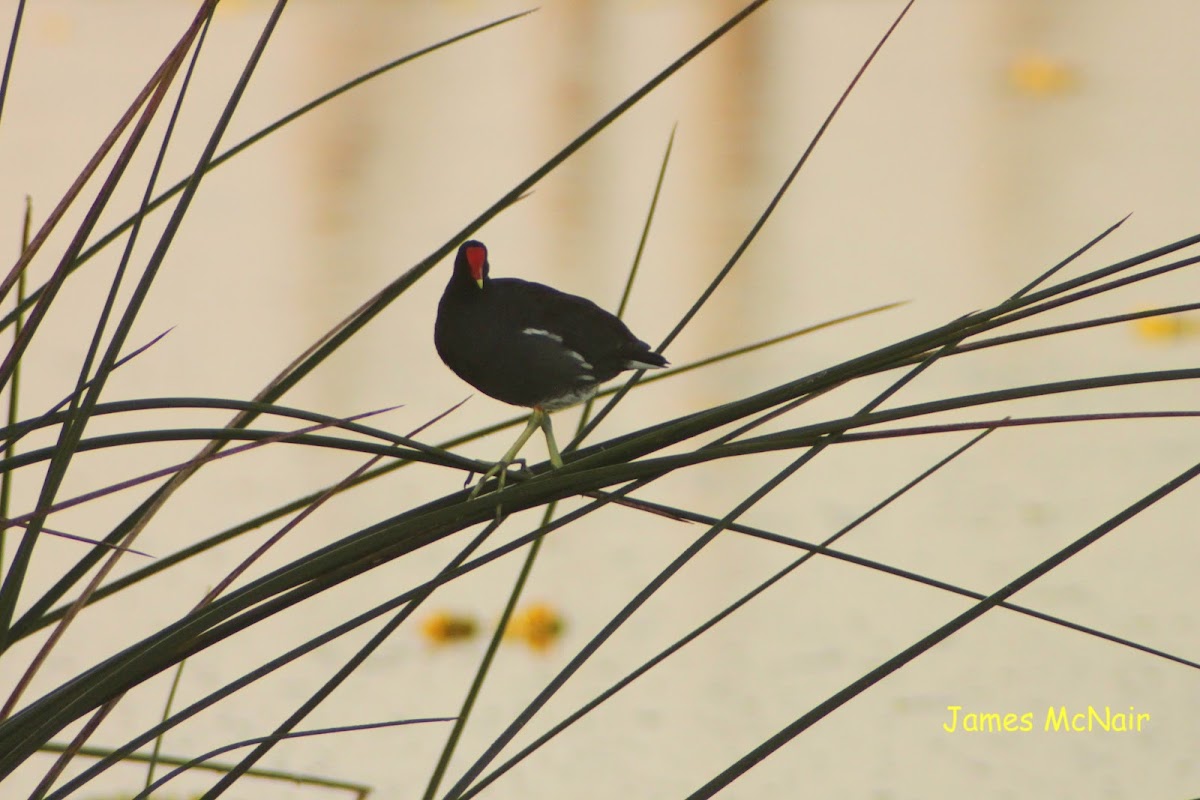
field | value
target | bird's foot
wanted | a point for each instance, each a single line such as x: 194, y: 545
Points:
x: 499, y: 471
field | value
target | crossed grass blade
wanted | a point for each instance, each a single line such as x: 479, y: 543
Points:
x: 413, y: 529
x: 285, y: 729
x: 235, y: 772
x: 823, y: 548
x: 205, y: 761
x: 373, y: 307
x: 220, y: 159
x: 840, y: 698
x: 156, y: 92
x: 61, y: 454
x: 14, y: 386
x: 328, y: 579
x: 167, y: 67
x: 38, y: 616
x: 662, y: 656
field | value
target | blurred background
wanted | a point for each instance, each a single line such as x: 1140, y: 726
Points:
x: 990, y: 139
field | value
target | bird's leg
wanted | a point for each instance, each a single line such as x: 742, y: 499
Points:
x: 500, y: 468
x: 548, y: 429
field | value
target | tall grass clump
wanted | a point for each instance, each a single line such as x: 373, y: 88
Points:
x: 48, y: 726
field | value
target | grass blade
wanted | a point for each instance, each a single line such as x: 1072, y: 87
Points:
x: 12, y: 53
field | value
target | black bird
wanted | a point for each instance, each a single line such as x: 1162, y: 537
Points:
x: 529, y: 345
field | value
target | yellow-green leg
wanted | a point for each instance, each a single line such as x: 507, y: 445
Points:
x: 548, y: 429
x: 500, y: 468
x: 538, y: 419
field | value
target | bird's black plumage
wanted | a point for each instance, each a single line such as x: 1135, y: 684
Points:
x: 527, y: 344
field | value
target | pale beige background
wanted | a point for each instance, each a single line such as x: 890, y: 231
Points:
x: 943, y: 183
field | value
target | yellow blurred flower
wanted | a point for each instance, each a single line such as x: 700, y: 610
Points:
x: 538, y: 625
x: 1165, y: 327
x: 443, y: 627
x: 1040, y: 76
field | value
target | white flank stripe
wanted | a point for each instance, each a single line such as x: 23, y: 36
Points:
x: 583, y: 362
x: 540, y: 332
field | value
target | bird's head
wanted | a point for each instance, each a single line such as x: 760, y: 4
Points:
x: 472, y: 262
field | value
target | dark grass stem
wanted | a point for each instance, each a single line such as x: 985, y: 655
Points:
x: 645, y: 237
x: 1050, y: 273
x: 73, y: 537
x: 14, y: 432
x: 420, y: 450
x: 955, y: 347
x: 307, y: 511
x: 48, y: 646
x: 282, y: 733
x: 819, y: 712
x: 115, y: 756
x: 174, y: 469
x: 11, y: 55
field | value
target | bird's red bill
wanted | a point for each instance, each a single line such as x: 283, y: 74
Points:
x: 476, y: 258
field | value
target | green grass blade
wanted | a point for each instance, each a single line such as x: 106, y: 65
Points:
x: 156, y: 753
x: 204, y: 761
x: 14, y: 388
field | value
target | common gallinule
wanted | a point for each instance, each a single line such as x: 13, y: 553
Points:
x: 529, y: 345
